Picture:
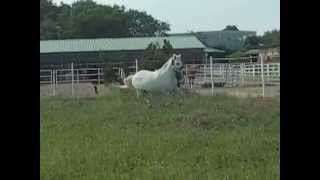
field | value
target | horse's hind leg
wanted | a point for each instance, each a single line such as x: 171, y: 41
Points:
x: 181, y: 96
x: 177, y: 96
x: 168, y: 98
x: 139, y: 92
x: 146, y: 97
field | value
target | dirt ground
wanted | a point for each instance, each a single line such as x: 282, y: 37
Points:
x: 87, y: 90
x: 270, y: 91
x: 81, y: 90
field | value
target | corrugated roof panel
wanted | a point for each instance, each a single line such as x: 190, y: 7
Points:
x: 115, y: 44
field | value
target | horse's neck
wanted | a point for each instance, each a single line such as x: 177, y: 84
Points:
x: 165, y: 67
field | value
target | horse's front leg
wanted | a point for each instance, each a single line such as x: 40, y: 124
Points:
x: 147, y: 97
x: 181, y: 95
x: 169, y: 97
x: 138, y: 92
x: 177, y: 95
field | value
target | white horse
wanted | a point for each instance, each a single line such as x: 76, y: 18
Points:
x: 164, y: 80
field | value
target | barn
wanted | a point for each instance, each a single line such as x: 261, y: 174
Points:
x: 94, y: 52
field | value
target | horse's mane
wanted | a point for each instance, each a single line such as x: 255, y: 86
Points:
x: 166, y: 65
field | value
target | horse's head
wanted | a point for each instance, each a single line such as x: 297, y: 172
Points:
x: 178, y: 67
x: 176, y: 63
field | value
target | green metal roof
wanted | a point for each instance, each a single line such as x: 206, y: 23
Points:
x: 115, y: 44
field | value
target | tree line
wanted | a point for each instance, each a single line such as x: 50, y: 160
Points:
x: 270, y: 39
x: 87, y: 19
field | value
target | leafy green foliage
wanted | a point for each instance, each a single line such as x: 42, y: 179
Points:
x: 155, y: 56
x: 109, y: 74
x: 231, y: 28
x: 87, y: 19
x: 253, y: 42
x: 143, y: 24
x: 269, y: 39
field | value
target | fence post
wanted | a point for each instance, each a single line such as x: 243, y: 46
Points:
x: 78, y: 77
x: 268, y: 72
x: 136, y: 65
x: 57, y: 79
x: 211, y: 72
x: 54, y: 82
x: 186, y: 77
x: 205, y: 72
x: 51, y: 79
x: 99, y: 77
x: 72, y: 78
x: 262, y: 74
x: 253, y: 72
x: 243, y: 72
x: 136, y: 72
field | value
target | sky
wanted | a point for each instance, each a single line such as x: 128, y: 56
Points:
x: 207, y: 15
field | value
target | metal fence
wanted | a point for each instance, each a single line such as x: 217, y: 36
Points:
x: 77, y: 79
x: 240, y: 77
x: 235, y: 78
x: 64, y: 81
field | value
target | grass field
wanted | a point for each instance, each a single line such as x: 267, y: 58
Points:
x: 116, y: 136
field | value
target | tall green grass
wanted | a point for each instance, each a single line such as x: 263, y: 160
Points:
x: 117, y: 136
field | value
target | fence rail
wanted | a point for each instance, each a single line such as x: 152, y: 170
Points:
x: 236, y: 74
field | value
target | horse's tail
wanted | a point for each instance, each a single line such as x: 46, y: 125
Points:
x: 128, y: 81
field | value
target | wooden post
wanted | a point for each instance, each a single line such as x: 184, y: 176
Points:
x: 187, y: 77
x: 253, y: 72
x: 268, y: 72
x: 205, y: 67
x: 136, y: 72
x: 51, y: 79
x: 262, y: 74
x: 211, y: 72
x: 136, y: 65
x: 56, y: 77
x: 242, y: 73
x: 72, y: 78
x: 78, y: 77
x: 99, y: 77
x: 54, y: 83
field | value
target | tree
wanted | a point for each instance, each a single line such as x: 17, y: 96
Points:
x: 155, y: 55
x: 143, y: 24
x: 253, y: 42
x: 47, y: 10
x: 271, y: 38
x: 231, y: 28
x: 167, y: 48
x: 49, y: 29
x: 87, y: 19
x: 91, y: 20
x: 268, y: 40
x: 109, y: 74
